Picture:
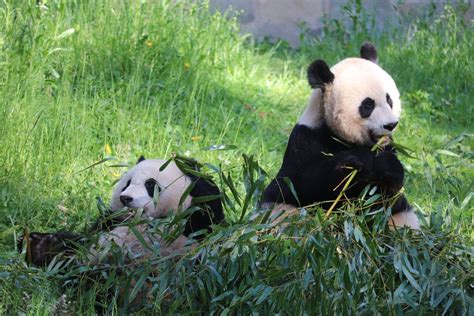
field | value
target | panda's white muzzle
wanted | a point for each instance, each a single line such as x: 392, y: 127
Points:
x: 377, y: 133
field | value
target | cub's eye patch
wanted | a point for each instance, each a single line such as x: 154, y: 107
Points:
x: 150, y: 186
x: 389, y: 100
x: 366, y: 107
x: 127, y: 185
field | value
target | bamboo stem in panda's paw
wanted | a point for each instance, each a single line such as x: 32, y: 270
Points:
x: 352, y: 175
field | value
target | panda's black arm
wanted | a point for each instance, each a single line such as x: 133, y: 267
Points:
x: 388, y: 171
x: 337, y: 169
x: 318, y: 179
x: 389, y: 176
x: 400, y: 205
x: 315, y: 163
x: 279, y: 192
x: 322, y: 178
x: 382, y: 169
x: 43, y: 247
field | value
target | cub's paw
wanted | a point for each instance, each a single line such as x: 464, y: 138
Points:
x: 389, y: 170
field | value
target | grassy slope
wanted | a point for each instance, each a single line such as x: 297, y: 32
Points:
x: 196, y: 85
x: 154, y: 78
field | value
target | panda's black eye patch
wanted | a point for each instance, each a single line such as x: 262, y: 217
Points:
x: 127, y: 185
x: 366, y: 107
x: 150, y: 186
x: 389, y: 100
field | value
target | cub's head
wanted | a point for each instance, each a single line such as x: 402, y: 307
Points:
x: 357, y: 99
x: 137, y: 188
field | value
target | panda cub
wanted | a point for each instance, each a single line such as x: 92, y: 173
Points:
x: 136, y: 190
x: 353, y: 105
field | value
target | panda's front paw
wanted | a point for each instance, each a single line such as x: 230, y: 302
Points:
x: 388, y: 171
x: 360, y: 160
x: 350, y: 162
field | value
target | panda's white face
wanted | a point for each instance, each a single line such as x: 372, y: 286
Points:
x: 136, y: 188
x: 363, y: 103
x: 356, y: 98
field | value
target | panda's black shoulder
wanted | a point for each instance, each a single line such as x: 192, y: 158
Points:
x: 304, y: 138
x: 211, y: 212
x: 206, y: 187
x: 308, y: 143
x: 307, y: 149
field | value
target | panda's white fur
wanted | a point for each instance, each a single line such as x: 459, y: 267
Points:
x: 407, y: 218
x: 355, y: 79
x: 124, y: 238
x: 172, y: 183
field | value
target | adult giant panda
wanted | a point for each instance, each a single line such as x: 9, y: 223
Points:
x: 353, y: 105
x: 135, y: 190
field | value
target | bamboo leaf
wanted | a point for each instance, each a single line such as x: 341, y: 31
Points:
x: 292, y: 189
x: 447, y: 153
x: 96, y: 163
x: 203, y: 199
x: 140, y: 237
x: 138, y: 287
x: 219, y: 147
x: 65, y: 34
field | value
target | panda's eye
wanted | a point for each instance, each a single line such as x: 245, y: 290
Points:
x: 127, y: 185
x: 366, y: 107
x: 150, y: 186
x: 389, y: 100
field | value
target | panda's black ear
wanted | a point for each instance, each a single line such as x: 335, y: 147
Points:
x: 368, y: 51
x: 140, y: 159
x: 319, y: 74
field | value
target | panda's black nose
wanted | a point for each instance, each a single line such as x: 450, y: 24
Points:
x: 126, y: 199
x: 391, y: 126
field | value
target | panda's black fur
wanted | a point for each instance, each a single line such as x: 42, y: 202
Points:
x: 316, y: 162
x: 209, y: 212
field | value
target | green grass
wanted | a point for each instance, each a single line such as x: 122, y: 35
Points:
x: 161, y: 77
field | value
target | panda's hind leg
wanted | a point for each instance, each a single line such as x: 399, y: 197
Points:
x: 406, y: 218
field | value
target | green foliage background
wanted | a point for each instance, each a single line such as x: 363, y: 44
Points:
x: 85, y: 80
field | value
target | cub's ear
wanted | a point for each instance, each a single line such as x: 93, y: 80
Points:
x: 140, y: 159
x: 319, y: 74
x: 368, y: 51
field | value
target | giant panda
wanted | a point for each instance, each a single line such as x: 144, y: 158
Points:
x: 352, y: 106
x: 135, y: 191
